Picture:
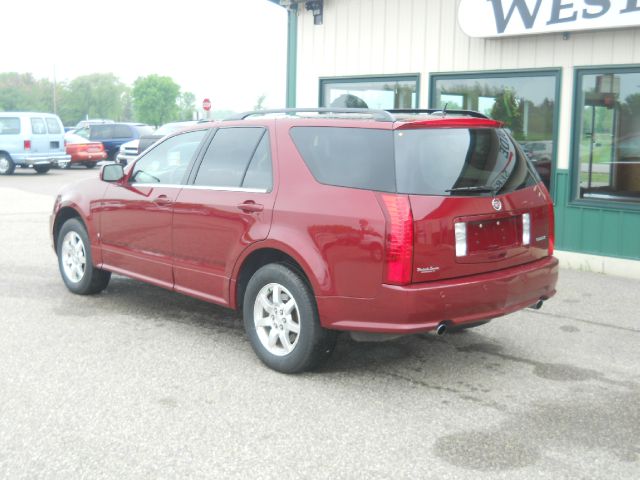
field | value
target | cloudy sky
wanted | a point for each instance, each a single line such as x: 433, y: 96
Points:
x: 231, y: 51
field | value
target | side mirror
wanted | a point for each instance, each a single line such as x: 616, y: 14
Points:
x: 113, y: 172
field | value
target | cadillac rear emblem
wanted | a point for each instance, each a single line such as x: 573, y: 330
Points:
x: 497, y: 204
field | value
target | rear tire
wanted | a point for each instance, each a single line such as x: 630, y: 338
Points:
x: 90, y: 164
x: 75, y: 260
x: 41, y: 169
x: 282, y: 323
x: 7, y: 167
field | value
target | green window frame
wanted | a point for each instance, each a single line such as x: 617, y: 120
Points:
x: 576, y: 128
x: 554, y: 73
x: 372, y: 79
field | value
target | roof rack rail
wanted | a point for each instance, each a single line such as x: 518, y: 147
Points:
x: 470, y: 113
x: 378, y: 115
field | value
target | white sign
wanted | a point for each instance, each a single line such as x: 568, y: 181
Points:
x: 501, y: 18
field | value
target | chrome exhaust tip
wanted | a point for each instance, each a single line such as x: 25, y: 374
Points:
x: 441, y: 329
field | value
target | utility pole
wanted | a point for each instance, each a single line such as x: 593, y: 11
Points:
x: 55, y: 106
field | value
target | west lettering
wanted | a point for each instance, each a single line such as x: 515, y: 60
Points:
x: 528, y: 18
x: 632, y: 6
x: 604, y: 5
x: 556, y: 10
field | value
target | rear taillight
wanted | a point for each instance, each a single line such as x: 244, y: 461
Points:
x: 27, y: 144
x: 526, y: 229
x: 399, y: 239
x: 552, y: 229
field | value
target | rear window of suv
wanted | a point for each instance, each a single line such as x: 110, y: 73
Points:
x: 428, y: 161
x: 53, y: 125
x: 436, y: 161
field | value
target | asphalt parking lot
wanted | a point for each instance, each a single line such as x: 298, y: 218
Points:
x: 138, y: 382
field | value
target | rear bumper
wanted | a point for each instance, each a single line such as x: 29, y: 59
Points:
x: 421, y: 307
x: 31, y: 160
x: 82, y: 157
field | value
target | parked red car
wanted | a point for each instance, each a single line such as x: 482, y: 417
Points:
x: 356, y: 220
x: 84, y: 152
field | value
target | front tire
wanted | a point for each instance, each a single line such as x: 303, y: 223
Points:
x: 7, y: 167
x: 282, y: 323
x: 75, y: 260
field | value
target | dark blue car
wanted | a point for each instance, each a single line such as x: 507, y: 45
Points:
x: 112, y: 135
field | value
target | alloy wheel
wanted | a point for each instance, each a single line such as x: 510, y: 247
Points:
x: 277, y: 319
x: 74, y: 257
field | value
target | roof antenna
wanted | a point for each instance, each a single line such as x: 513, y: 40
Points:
x: 444, y: 109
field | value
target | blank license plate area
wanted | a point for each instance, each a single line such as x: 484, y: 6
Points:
x: 487, y: 235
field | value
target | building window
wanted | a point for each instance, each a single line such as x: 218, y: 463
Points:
x: 607, y: 134
x: 526, y: 102
x: 380, y: 92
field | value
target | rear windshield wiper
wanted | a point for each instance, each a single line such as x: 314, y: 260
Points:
x: 475, y: 188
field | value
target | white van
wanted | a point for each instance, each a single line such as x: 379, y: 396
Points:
x: 31, y: 140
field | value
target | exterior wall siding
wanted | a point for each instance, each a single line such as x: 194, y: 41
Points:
x: 378, y: 37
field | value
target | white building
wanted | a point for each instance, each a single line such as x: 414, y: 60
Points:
x: 564, y: 75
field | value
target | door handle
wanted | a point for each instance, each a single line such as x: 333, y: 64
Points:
x: 162, y: 200
x: 250, y: 207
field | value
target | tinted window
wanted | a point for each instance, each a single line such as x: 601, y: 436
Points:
x: 432, y: 161
x: 37, y: 126
x: 121, y: 131
x: 259, y: 172
x: 167, y: 163
x: 348, y: 157
x: 100, y: 132
x: 53, y: 125
x: 9, y: 126
x: 228, y: 156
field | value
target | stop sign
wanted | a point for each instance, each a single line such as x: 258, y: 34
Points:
x: 206, y: 104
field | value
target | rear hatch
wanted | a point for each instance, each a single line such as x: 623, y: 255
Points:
x: 477, y: 204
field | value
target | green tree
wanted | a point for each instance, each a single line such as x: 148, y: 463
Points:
x: 154, y: 99
x: 186, y: 105
x: 260, y: 102
x: 22, y: 92
x: 98, y: 95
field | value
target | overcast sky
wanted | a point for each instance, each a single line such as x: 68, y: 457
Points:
x: 231, y: 51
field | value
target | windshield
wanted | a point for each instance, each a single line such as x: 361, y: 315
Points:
x: 458, y: 160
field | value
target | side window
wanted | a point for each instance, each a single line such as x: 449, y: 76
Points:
x: 168, y: 162
x: 53, y: 125
x: 259, y: 174
x: 122, y: 131
x: 9, y: 126
x: 227, y: 159
x: 37, y: 126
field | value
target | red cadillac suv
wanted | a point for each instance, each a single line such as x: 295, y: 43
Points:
x: 312, y: 221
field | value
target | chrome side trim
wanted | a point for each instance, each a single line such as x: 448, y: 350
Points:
x: 201, y: 187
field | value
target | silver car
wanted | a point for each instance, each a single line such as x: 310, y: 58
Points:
x: 31, y: 140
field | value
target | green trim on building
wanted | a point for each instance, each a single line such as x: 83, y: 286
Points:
x: 598, y: 230
x: 292, y: 55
